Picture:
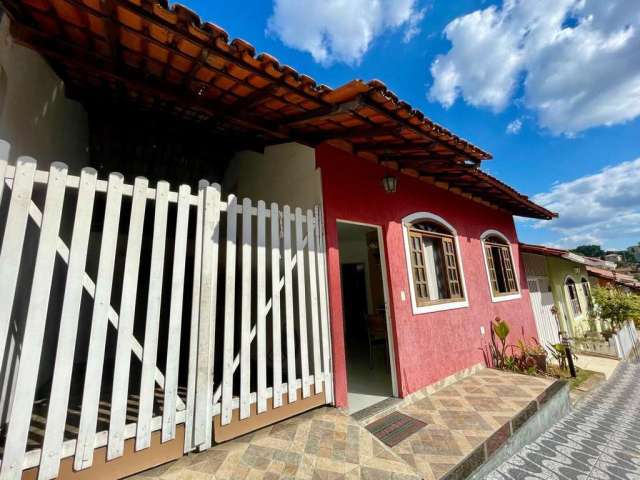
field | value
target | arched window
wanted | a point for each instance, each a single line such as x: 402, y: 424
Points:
x: 586, y: 290
x: 434, y: 263
x: 572, y: 291
x: 500, y: 266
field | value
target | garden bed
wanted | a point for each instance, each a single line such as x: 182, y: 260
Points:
x: 528, y: 357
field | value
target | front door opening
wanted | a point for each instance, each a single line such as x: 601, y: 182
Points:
x: 368, y: 354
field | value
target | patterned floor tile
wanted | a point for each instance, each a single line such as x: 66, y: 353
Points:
x: 328, y: 444
x: 322, y: 444
x: 462, y: 416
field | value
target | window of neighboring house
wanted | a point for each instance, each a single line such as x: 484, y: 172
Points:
x: 502, y: 275
x: 573, y: 297
x: 586, y: 290
x: 435, y: 269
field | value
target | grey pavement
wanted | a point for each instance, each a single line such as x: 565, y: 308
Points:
x: 600, y: 439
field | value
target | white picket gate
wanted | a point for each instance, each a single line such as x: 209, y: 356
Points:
x: 542, y: 304
x: 281, y: 293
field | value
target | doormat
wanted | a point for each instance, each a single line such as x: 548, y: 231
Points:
x: 394, y: 428
x: 371, y: 411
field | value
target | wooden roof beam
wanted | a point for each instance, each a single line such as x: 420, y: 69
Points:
x: 412, y: 172
x: 158, y: 21
x: 244, y: 103
x: 428, y: 158
x: 384, y: 112
x: 391, y: 165
x: 349, y: 133
x: 323, y: 113
x: 177, y: 35
x: 393, y: 147
x: 34, y: 38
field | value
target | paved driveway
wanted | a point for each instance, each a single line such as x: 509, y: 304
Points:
x: 598, y: 440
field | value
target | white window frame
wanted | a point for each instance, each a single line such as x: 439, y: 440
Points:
x: 567, y: 296
x: 516, y: 267
x: 438, y: 307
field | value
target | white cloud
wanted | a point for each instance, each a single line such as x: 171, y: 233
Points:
x: 598, y: 208
x: 413, y: 25
x: 576, y: 62
x: 514, y: 127
x: 341, y: 30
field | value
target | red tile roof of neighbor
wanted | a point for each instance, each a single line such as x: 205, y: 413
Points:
x: 620, y: 278
x: 542, y: 250
x: 616, y: 277
x: 166, y: 58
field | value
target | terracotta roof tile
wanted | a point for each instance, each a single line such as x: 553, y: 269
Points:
x: 166, y: 57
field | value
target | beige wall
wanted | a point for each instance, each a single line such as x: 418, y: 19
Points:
x: 35, y: 117
x: 285, y: 174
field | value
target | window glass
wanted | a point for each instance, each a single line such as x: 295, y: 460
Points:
x: 587, y: 293
x: 573, y: 296
x: 434, y: 264
x: 500, y: 265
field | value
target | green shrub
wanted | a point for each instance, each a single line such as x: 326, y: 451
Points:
x: 616, y: 306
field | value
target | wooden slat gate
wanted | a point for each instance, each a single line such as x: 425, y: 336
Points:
x: 229, y: 300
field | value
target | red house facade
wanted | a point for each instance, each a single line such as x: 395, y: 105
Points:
x: 428, y: 346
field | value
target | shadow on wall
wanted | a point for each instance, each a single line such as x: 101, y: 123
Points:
x: 35, y: 116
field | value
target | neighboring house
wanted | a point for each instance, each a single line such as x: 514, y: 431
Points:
x: 375, y: 267
x: 614, y: 258
x: 599, y: 263
x: 605, y: 278
x: 557, y: 278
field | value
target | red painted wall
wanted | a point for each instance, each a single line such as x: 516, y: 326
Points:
x: 428, y: 346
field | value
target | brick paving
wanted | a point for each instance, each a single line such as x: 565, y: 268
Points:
x: 600, y: 439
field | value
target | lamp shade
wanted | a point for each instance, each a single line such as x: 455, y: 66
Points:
x: 390, y: 183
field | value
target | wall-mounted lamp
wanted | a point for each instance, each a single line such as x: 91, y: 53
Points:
x: 390, y: 184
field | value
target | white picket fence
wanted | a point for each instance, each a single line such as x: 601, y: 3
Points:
x: 282, y: 293
x: 625, y: 340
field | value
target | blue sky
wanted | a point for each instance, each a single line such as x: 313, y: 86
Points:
x: 566, y: 72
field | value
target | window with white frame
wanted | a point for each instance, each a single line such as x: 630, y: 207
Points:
x: 435, y: 270
x: 573, y: 296
x: 502, y: 275
x: 586, y: 290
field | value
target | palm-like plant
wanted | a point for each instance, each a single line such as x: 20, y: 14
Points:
x: 500, y: 329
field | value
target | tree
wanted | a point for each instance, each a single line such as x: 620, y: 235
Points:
x: 616, y: 306
x: 589, y: 250
x: 627, y: 256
